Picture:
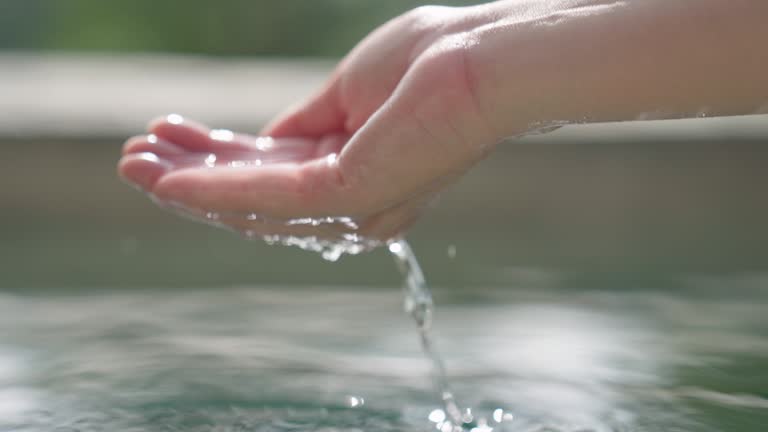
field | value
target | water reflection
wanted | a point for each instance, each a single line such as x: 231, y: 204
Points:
x: 15, y: 400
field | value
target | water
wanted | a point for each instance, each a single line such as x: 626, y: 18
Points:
x: 558, y: 357
x: 419, y: 305
x: 339, y: 236
x: 536, y: 357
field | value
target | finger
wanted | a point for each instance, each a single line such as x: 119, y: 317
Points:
x: 197, y: 140
x: 151, y: 144
x: 280, y: 190
x: 193, y: 136
x: 143, y: 169
x: 190, y: 135
x: 321, y: 115
x: 302, y: 181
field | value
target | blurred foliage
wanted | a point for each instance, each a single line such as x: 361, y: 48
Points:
x: 226, y: 27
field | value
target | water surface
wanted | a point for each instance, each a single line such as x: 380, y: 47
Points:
x: 258, y: 358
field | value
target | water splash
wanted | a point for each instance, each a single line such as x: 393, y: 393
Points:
x: 339, y: 236
x: 330, y: 250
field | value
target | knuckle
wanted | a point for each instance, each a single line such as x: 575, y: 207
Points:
x: 421, y: 13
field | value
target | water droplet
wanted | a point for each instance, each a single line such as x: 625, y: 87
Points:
x: 467, y: 417
x: 299, y: 221
x: 351, y: 237
x: 149, y: 157
x: 349, y: 223
x: 271, y: 239
x: 264, y: 143
x: 175, y: 119
x: 498, y: 415
x: 437, y: 416
x: 152, y: 139
x: 355, y: 401
x: 210, y: 161
x: 222, y: 135
x: 244, y: 163
x: 396, y: 248
x: 332, y: 254
x: 482, y: 426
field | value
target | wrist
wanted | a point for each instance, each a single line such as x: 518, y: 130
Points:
x: 617, y: 61
x: 532, y: 67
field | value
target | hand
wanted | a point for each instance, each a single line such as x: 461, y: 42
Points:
x: 428, y: 94
x: 393, y: 125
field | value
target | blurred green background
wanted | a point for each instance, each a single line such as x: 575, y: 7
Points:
x: 286, y: 28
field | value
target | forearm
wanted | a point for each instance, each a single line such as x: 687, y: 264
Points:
x: 614, y: 61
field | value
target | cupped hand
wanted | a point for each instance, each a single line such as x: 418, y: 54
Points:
x: 393, y: 125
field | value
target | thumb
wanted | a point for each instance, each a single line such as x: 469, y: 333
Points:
x: 430, y: 130
x: 320, y: 115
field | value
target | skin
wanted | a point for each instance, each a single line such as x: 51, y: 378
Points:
x: 424, y: 97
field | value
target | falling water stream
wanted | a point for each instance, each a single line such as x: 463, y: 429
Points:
x: 419, y: 305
